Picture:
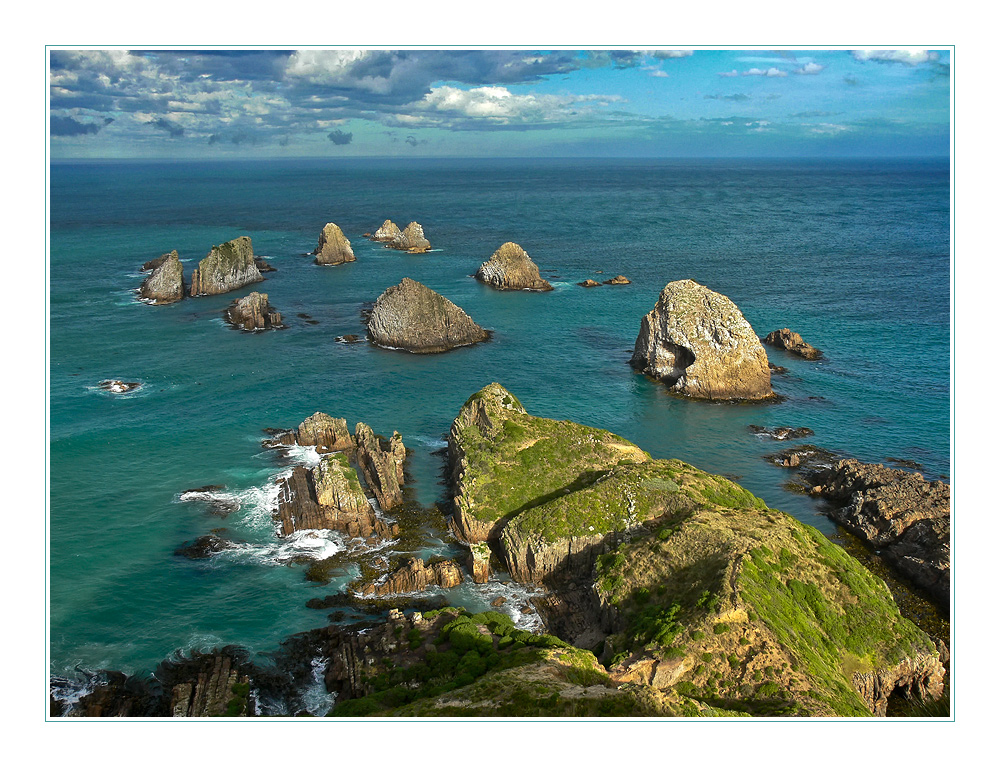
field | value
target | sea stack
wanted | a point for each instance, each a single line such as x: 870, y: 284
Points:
x: 411, y: 239
x: 510, y: 268
x: 412, y: 317
x: 334, y: 248
x: 385, y: 233
x: 166, y: 284
x: 792, y: 342
x: 227, y: 267
x: 698, y: 343
x: 253, y: 312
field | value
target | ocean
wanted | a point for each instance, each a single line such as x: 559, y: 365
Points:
x: 854, y: 255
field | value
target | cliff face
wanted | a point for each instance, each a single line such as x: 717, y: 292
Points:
x: 166, y: 284
x: 904, y: 516
x: 412, y: 317
x: 333, y: 248
x: 253, y: 312
x: 510, y: 268
x: 382, y: 467
x: 698, y: 343
x: 227, y: 267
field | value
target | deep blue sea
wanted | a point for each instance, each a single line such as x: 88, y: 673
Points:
x: 854, y: 255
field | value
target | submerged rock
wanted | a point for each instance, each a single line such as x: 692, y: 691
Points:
x: 119, y: 387
x: 333, y: 248
x: 227, y: 267
x: 780, y: 432
x: 166, y: 284
x: 698, y: 343
x: 204, y: 547
x: 411, y: 239
x: 792, y: 342
x: 510, y: 268
x: 253, y: 312
x: 412, y: 317
x: 904, y: 516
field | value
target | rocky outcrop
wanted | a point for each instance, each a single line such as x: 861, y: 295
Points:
x: 904, y: 516
x: 510, y: 268
x: 412, y: 317
x: 381, y: 464
x: 479, y: 562
x: 326, y: 433
x: 119, y: 387
x: 698, y: 343
x: 385, y: 233
x: 920, y: 678
x: 166, y: 284
x: 226, y: 267
x: 411, y: 239
x: 328, y: 497
x: 621, y: 279
x: 253, y: 312
x: 415, y: 575
x: 780, y: 432
x: 263, y: 266
x: 792, y: 342
x: 589, y: 283
x: 219, y: 689
x: 204, y: 547
x: 333, y: 248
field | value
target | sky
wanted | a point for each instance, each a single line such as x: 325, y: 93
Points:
x: 320, y: 102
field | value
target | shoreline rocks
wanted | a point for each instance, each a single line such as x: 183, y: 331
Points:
x: 253, y: 312
x: 166, y: 283
x: 904, y: 516
x: 228, y: 266
x: 698, y: 343
x: 412, y: 317
x: 510, y: 268
x: 416, y: 575
x: 792, y: 342
x: 382, y: 466
x: 333, y: 248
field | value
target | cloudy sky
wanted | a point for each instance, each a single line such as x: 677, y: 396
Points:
x: 476, y: 103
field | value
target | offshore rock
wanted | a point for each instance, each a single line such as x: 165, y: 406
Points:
x: 381, y: 464
x: 621, y: 279
x: 510, y: 268
x: 698, y: 343
x: 411, y: 239
x: 263, y: 266
x: 589, y: 283
x: 333, y: 248
x: 415, y: 575
x: 204, y: 547
x: 904, y: 516
x: 385, y: 233
x: 780, y: 432
x: 328, y: 497
x: 166, y: 284
x: 479, y: 562
x: 226, y: 267
x: 326, y: 433
x: 792, y: 342
x: 253, y: 312
x: 412, y: 317
x: 119, y: 387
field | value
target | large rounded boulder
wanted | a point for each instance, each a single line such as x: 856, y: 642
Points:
x: 698, y: 343
x: 412, y: 317
x: 511, y: 268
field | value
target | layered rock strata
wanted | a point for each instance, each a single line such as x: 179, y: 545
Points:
x: 324, y: 432
x: 412, y: 317
x: 510, y: 268
x: 698, y: 343
x: 385, y: 233
x: 411, y: 239
x: 333, y: 248
x: 226, y: 267
x: 166, y: 284
x: 382, y: 465
x: 904, y: 516
x: 253, y: 312
x: 416, y: 575
x: 792, y: 342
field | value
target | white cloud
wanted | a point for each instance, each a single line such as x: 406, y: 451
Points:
x: 733, y: 73
x: 770, y: 72
x: 324, y: 67
x: 812, y: 68
x: 910, y: 56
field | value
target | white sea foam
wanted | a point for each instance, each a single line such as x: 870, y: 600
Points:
x: 303, y: 455
x: 434, y: 442
x: 315, y: 698
x: 516, y: 598
x: 310, y: 544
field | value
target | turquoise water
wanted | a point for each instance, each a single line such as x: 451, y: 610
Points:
x: 853, y: 255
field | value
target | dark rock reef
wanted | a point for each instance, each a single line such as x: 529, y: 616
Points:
x: 904, y: 516
x: 333, y: 248
x: 119, y: 387
x: 792, y: 342
x: 780, y: 432
x: 253, y: 312
x: 510, y: 268
x: 166, y: 284
x: 228, y: 266
x: 698, y: 343
x: 412, y: 317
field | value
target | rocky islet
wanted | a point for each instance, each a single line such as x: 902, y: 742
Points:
x: 511, y: 268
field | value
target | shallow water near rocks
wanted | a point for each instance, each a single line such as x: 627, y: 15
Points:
x: 852, y: 255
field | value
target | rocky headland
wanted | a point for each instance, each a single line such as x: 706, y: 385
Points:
x: 253, y: 312
x: 510, y: 268
x: 228, y: 266
x: 166, y: 283
x: 792, y: 342
x: 333, y: 248
x: 905, y: 517
x: 698, y: 343
x: 414, y: 318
